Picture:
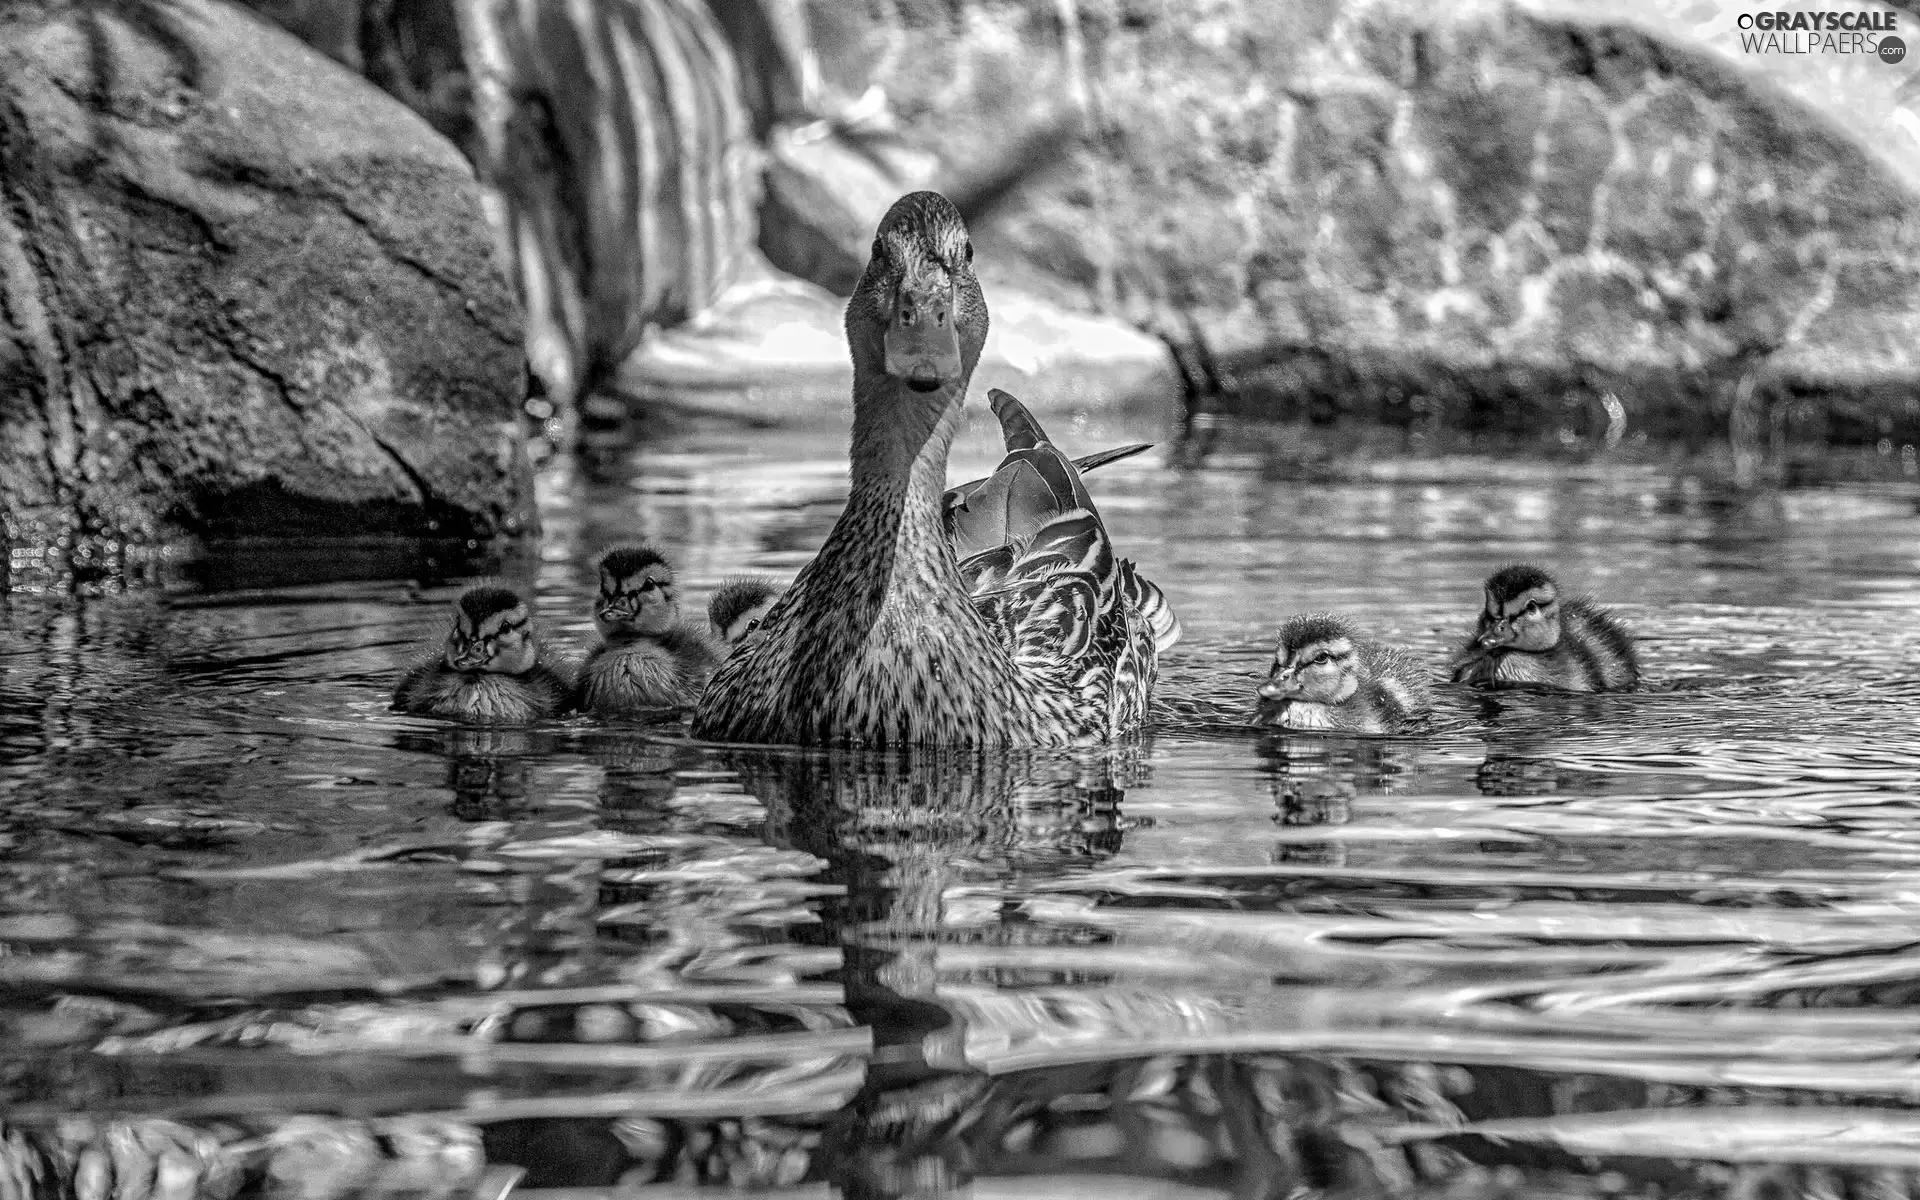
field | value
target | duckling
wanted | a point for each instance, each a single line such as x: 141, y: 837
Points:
x: 1530, y: 635
x: 490, y: 668
x: 648, y: 657
x: 1325, y: 677
x: 738, y: 608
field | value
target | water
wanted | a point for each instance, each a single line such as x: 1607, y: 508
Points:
x: 261, y: 932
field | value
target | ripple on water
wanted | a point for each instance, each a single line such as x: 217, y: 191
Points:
x: 255, y: 926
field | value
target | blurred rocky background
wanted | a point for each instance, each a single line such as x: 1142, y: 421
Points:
x: 246, y: 292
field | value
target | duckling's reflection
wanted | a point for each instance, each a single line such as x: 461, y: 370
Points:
x: 1314, y: 781
x: 1521, y: 750
x: 900, y: 832
x: 636, y: 781
x: 486, y: 767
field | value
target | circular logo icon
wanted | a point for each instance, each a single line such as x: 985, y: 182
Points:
x: 1891, y: 49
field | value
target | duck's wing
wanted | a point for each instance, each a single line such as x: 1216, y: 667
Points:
x: 1065, y: 606
x: 975, y: 511
x: 1035, y: 484
x: 1033, y: 481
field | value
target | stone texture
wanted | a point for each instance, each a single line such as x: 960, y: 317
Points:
x: 773, y: 350
x: 241, y: 292
x: 1431, y: 203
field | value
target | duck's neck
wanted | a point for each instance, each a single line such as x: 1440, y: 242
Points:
x: 899, y: 455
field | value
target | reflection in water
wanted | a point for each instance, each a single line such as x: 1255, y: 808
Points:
x: 255, y: 926
x: 1315, y: 780
x: 905, y: 834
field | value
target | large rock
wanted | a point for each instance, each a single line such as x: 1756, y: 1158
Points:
x: 1471, y: 210
x: 773, y: 350
x: 241, y: 292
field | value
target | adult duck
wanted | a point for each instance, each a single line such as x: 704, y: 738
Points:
x: 1039, y: 636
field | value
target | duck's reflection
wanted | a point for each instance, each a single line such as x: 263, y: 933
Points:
x: 902, y: 830
x: 906, y: 834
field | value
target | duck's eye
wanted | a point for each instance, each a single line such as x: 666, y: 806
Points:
x: 753, y: 624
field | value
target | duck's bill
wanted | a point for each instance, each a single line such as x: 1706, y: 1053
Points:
x: 926, y: 355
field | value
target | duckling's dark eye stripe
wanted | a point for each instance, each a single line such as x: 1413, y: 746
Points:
x: 510, y: 626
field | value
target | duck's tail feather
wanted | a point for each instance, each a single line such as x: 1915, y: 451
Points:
x: 1034, y: 484
x: 1153, y: 606
x: 1017, y: 425
x: 1100, y: 458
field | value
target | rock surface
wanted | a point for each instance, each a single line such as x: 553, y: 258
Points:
x: 1411, y: 210
x: 774, y: 351
x: 241, y: 292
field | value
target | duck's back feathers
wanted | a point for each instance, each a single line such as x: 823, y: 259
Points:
x: 1070, y: 612
x: 1153, y: 606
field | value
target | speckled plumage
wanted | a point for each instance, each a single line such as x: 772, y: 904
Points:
x: 886, y: 638
x: 1593, y: 652
x: 1393, y: 692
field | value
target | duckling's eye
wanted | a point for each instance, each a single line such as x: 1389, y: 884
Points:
x: 753, y: 624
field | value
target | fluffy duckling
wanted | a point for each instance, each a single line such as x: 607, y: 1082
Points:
x: 1531, y: 635
x: 1326, y: 678
x: 648, y: 657
x: 490, y: 668
x: 738, y: 608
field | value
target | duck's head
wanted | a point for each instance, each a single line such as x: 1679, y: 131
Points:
x: 1522, y: 611
x: 918, y: 315
x: 1316, y: 661
x: 492, y: 633
x: 637, y: 594
x: 737, y: 609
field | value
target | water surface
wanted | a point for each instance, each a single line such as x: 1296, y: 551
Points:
x: 1661, y: 943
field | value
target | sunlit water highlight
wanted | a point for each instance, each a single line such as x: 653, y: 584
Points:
x: 1561, y: 945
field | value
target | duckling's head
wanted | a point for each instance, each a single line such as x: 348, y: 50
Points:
x: 918, y: 315
x: 1316, y: 661
x: 1522, y: 611
x: 737, y: 609
x: 637, y: 593
x: 492, y: 633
